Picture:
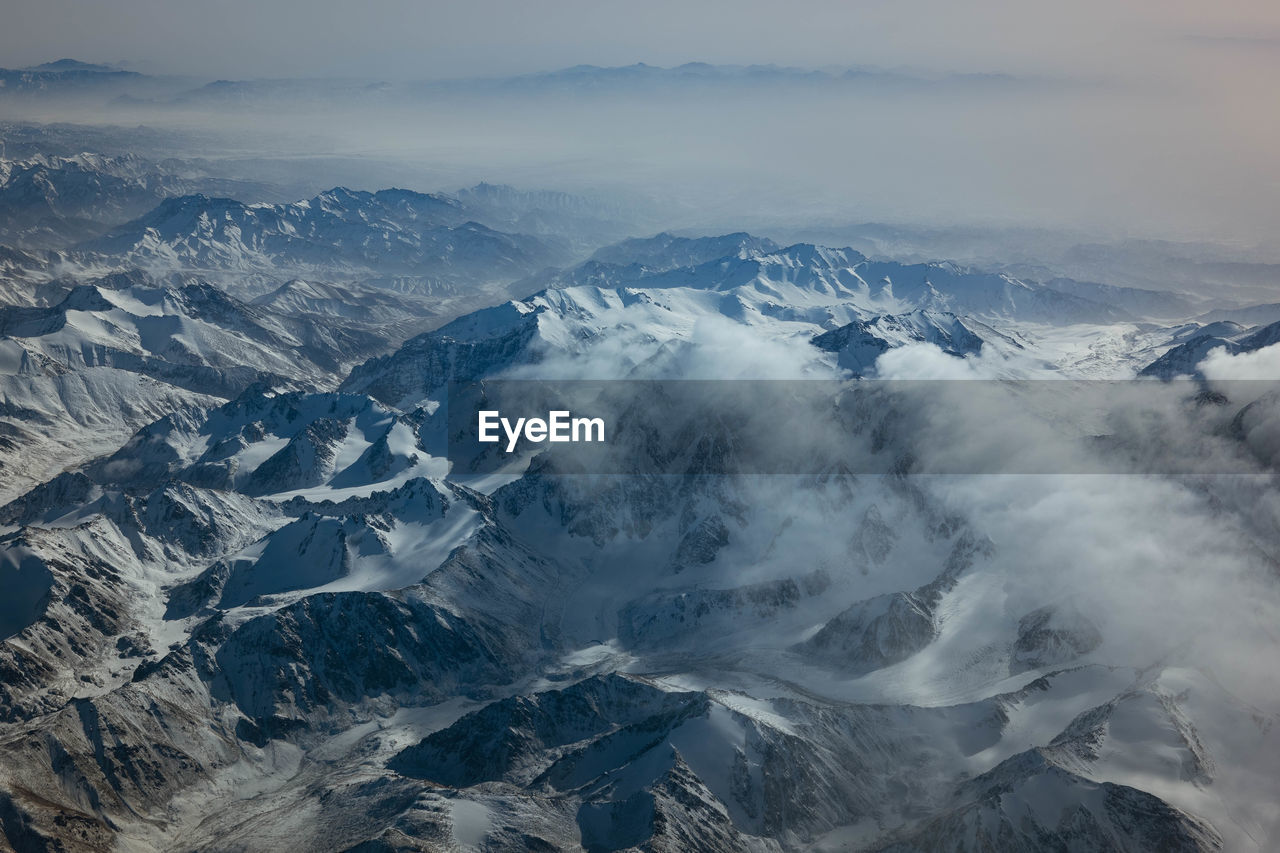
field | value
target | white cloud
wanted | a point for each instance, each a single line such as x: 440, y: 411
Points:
x: 1259, y: 364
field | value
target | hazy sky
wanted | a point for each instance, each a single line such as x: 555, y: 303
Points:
x: 1150, y: 118
x: 413, y: 38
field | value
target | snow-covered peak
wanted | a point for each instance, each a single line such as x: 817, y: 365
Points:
x: 858, y: 344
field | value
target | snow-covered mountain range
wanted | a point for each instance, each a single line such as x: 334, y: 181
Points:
x: 81, y: 375
x: 250, y: 606
x: 415, y: 241
x: 52, y: 201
